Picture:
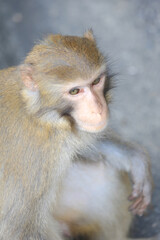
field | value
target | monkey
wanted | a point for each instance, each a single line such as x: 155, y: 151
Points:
x: 54, y: 108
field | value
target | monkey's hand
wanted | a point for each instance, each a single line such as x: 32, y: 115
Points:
x: 135, y: 161
x: 142, y: 184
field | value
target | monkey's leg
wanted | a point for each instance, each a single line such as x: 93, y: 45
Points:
x: 116, y: 224
x: 94, y: 202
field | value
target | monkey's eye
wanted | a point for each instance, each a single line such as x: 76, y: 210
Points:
x: 96, y: 81
x: 74, y: 91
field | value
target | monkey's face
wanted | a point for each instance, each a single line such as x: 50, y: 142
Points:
x: 68, y: 73
x: 90, y: 110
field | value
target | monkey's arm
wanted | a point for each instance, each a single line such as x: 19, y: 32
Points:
x: 134, y: 160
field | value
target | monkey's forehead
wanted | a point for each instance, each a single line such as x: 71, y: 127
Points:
x: 79, y: 45
x: 70, y: 74
x: 61, y: 54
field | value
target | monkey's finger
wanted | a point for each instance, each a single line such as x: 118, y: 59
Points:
x: 141, y: 209
x: 147, y: 200
x: 143, y: 206
x: 136, y: 203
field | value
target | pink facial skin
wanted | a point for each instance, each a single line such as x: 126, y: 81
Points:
x: 90, y: 108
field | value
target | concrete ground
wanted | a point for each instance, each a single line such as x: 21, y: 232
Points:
x: 128, y: 31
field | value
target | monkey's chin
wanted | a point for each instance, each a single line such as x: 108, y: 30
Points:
x: 92, y: 128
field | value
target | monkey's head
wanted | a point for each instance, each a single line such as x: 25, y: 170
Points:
x: 69, y: 74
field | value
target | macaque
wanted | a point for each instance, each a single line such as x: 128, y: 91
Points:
x: 54, y: 112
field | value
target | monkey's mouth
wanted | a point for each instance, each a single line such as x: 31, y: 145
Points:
x: 90, y: 127
x: 95, y: 124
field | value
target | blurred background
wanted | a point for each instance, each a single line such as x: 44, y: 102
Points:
x: 128, y: 31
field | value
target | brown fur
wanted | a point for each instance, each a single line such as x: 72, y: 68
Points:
x: 66, y: 57
x: 36, y: 136
x: 39, y: 139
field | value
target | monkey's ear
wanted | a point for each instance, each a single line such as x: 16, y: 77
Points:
x: 26, y: 76
x: 89, y: 34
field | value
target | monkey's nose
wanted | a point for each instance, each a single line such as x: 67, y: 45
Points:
x: 97, y: 110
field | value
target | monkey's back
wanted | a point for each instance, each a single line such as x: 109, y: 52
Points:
x: 21, y: 143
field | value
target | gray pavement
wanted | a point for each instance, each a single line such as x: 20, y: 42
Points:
x: 128, y: 31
